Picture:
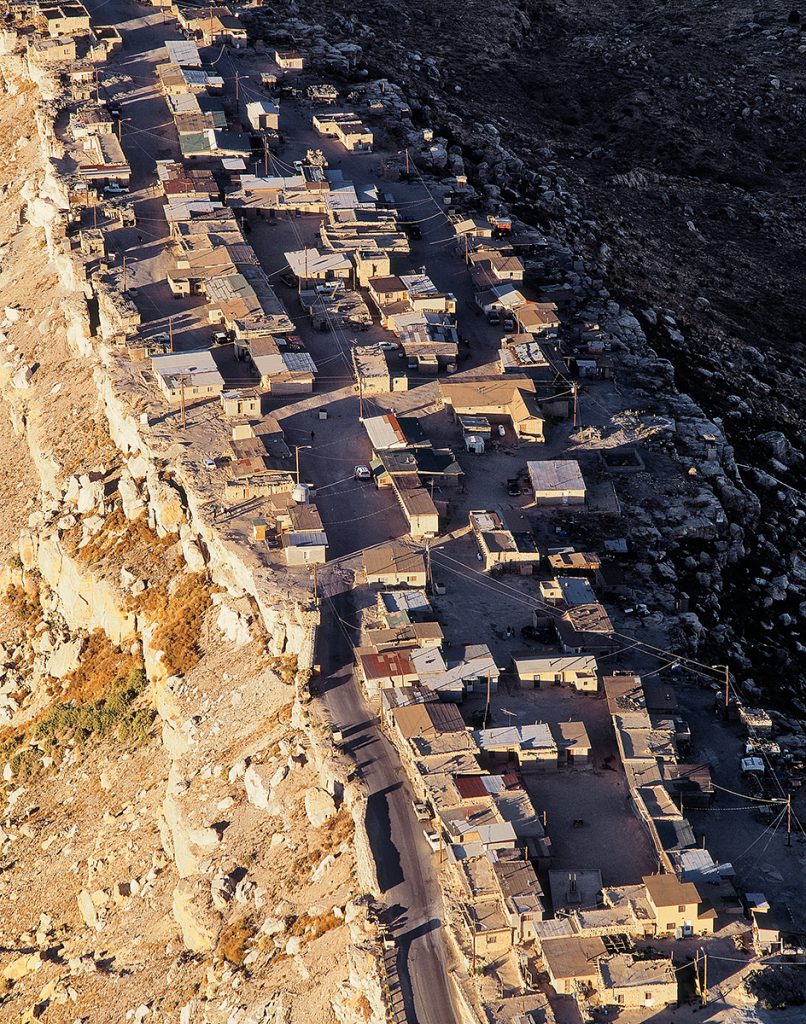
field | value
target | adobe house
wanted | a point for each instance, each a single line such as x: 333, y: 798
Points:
x: 678, y: 907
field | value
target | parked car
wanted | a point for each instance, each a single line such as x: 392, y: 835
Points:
x: 220, y: 338
x: 289, y: 280
x: 389, y: 346
x: 510, y: 324
x: 514, y: 487
x: 115, y: 190
x: 362, y: 473
x: 493, y: 317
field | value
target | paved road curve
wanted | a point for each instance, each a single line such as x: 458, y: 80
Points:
x: 406, y: 865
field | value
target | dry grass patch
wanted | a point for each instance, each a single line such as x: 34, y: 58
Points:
x: 120, y: 536
x: 179, y: 617
x: 100, y: 661
x: 121, y: 713
x: 234, y: 940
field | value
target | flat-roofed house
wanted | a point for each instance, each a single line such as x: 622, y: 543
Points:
x: 501, y: 547
x: 631, y: 983
x: 387, y: 669
x: 188, y: 374
x: 557, y: 482
x: 579, y: 671
x: 585, y: 629
x: 289, y: 60
x: 528, y: 746
x: 572, y: 962
x: 394, y: 565
x: 262, y: 115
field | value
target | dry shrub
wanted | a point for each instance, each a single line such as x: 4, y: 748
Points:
x: 337, y: 830
x: 363, y: 1007
x: 100, y: 662
x: 234, y: 940
x: 179, y: 617
x: 286, y: 667
x: 24, y: 606
x: 312, y: 927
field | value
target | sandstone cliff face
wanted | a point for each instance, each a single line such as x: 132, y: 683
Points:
x: 201, y: 856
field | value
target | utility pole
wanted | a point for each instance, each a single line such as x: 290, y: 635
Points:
x: 298, y: 449
x: 429, y: 581
x: 124, y: 272
x: 704, y: 978
x: 727, y: 689
x: 487, y: 705
x: 171, y: 332
x: 360, y: 397
x: 575, y: 392
x: 97, y: 91
x: 789, y: 819
x: 237, y: 80
x: 182, y: 402
x: 467, y: 251
x: 265, y: 157
x: 408, y: 161
x: 315, y: 585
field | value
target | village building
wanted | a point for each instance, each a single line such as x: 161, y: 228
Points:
x: 574, y: 889
x: 678, y: 907
x: 184, y: 376
x: 568, y: 562
x: 557, y: 482
x: 579, y: 671
x: 372, y: 371
x: 347, y: 128
x: 572, y: 963
x: 501, y: 547
x: 394, y: 565
x: 511, y: 401
x: 263, y: 115
x: 527, y: 746
x: 630, y: 982
x: 584, y: 629
x: 289, y: 60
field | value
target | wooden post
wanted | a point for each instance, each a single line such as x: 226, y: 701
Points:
x: 704, y: 979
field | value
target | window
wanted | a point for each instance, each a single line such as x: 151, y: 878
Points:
x: 491, y: 940
x: 681, y: 910
x: 647, y: 997
x: 620, y: 1000
x: 670, y: 926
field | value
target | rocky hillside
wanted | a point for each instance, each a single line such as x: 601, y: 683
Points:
x: 177, y: 840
